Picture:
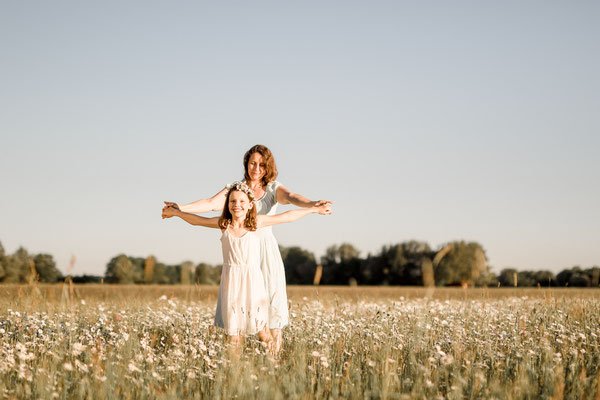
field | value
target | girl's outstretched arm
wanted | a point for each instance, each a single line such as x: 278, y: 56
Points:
x: 292, y: 215
x: 192, y: 219
x: 286, y: 196
x: 214, y: 203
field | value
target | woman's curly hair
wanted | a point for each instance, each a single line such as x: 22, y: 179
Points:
x: 269, y: 159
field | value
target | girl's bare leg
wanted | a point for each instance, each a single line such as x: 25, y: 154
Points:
x: 277, y: 340
x: 265, y: 337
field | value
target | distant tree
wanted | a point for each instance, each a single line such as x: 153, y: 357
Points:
x: 120, y: 270
x: 580, y: 280
x: 86, y: 279
x: 594, y: 275
x: 405, y: 261
x: 161, y: 274
x: 507, y: 277
x: 46, y: 268
x: 125, y: 269
x: 138, y: 265
x: 338, y: 254
x: 206, y: 274
x: 167, y: 274
x: 2, y: 263
x: 17, y: 267
x: 299, y: 265
x: 186, y: 273
x: 466, y: 263
x: 341, y: 265
x: 526, y: 279
x: 563, y: 278
x: 374, y: 270
x: 577, y: 277
x: 544, y: 278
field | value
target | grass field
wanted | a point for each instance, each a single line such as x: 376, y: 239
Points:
x: 149, y: 342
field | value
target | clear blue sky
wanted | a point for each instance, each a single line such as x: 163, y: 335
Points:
x: 435, y: 121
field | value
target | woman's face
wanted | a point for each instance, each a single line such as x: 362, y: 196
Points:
x: 256, y: 167
x: 239, y: 204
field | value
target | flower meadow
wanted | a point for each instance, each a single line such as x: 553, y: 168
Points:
x: 366, y: 343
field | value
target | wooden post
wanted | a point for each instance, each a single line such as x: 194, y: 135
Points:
x: 318, y: 275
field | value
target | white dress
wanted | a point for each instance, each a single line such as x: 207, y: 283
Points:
x: 271, y: 263
x: 242, y: 305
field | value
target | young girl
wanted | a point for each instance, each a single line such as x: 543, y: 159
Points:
x: 243, y: 304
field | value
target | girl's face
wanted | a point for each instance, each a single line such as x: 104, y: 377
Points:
x: 239, y: 204
x: 256, y: 167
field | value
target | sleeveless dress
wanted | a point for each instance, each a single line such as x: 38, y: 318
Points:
x: 242, y: 304
x: 271, y: 263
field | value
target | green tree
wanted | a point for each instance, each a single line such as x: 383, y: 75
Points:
x: 125, y: 269
x: 508, y: 277
x: 339, y: 254
x: 341, y: 265
x: 2, y: 262
x: 405, y: 262
x: 46, y: 268
x: 374, y: 270
x: 299, y: 265
x: 206, y: 274
x: 594, y: 275
x: 167, y: 274
x: 186, y: 273
x: 577, y: 277
x: 17, y: 267
x: 466, y: 263
x: 120, y: 270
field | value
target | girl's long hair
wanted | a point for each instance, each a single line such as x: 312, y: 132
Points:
x: 226, y: 217
x: 269, y: 159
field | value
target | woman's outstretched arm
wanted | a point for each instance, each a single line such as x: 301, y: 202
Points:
x: 286, y: 196
x: 192, y: 219
x: 214, y: 203
x: 292, y: 215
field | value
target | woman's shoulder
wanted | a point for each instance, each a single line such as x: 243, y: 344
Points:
x: 273, y: 186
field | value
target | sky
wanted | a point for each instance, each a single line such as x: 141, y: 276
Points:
x: 426, y: 120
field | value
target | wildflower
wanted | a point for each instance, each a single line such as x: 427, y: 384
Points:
x: 78, y: 348
x: 81, y: 366
x: 133, y: 368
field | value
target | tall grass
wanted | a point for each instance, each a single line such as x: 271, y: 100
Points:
x: 158, y: 342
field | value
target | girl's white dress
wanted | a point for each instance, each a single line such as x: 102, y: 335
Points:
x: 271, y: 263
x: 242, y: 305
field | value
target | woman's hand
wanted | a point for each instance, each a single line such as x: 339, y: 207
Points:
x: 171, y: 204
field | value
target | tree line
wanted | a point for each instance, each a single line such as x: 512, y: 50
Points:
x: 413, y: 263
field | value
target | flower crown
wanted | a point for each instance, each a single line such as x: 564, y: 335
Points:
x: 242, y: 187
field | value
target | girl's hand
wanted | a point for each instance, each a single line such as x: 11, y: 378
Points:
x: 168, y: 212
x: 322, y: 202
x: 324, y: 209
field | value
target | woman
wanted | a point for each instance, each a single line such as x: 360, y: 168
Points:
x: 260, y: 172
